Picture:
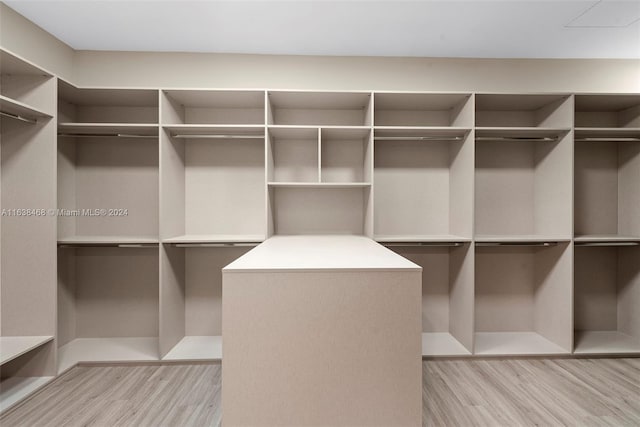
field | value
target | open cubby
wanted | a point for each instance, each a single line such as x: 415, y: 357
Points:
x: 607, y: 297
x: 447, y: 297
x: 25, y: 90
x: 614, y: 112
x: 607, y: 195
x: 522, y: 300
x: 293, y: 155
x: 423, y: 109
x: 107, y: 189
x: 525, y: 111
x: 345, y: 155
x: 423, y: 189
x: 107, y: 305
x: 87, y: 107
x: 213, y: 189
x: 213, y: 107
x: 191, y: 301
x: 320, y: 210
x: 523, y: 189
x: 319, y: 108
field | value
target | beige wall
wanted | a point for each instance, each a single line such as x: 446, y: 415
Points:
x: 137, y: 69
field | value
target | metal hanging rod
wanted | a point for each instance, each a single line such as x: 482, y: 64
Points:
x: 517, y: 138
x: 105, y: 135
x: 17, y: 117
x: 604, y: 139
x: 215, y: 245
x: 207, y: 136
x: 537, y: 244
x: 422, y: 244
x: 418, y: 138
x: 607, y: 243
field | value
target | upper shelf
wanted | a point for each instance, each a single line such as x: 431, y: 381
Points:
x: 204, y: 239
x: 520, y: 239
x: 319, y: 108
x: 520, y: 133
x: 587, y: 134
x: 191, y: 131
x: 21, y: 111
x: 423, y: 109
x: 122, y: 241
x: 237, y: 107
x: 124, y: 130
x: 320, y: 184
x: 420, y: 133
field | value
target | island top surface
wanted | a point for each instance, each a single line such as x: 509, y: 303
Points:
x: 305, y: 253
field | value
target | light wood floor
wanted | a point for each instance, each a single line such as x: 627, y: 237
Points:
x: 541, y: 392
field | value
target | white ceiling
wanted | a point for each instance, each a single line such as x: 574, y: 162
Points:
x: 483, y: 29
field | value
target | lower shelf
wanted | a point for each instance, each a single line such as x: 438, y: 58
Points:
x: 13, y: 390
x: 196, y: 348
x: 605, y: 342
x: 107, y: 350
x: 442, y: 344
x: 12, y: 347
x: 514, y: 344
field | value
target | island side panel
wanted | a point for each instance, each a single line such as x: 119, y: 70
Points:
x: 322, y: 348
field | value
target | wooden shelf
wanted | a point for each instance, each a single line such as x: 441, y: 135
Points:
x: 107, y: 350
x: 603, y: 133
x: 14, y: 389
x: 196, y: 348
x: 605, y: 342
x: 520, y: 132
x: 417, y: 131
x: 426, y: 238
x: 12, y: 347
x: 523, y: 238
x: 514, y: 344
x: 213, y: 130
x: 20, y: 109
x: 442, y: 344
x: 215, y: 238
x: 108, y: 240
x: 605, y: 238
x: 108, y: 129
x: 320, y: 184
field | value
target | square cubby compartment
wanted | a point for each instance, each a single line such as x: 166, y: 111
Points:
x: 523, y: 189
x: 523, y: 300
x: 346, y: 155
x: 607, y: 191
x: 213, y: 107
x: 607, y: 299
x: 423, y: 109
x: 107, y: 305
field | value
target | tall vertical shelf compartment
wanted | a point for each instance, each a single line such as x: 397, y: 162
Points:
x: 607, y: 224
x: 108, y: 194
x: 27, y: 228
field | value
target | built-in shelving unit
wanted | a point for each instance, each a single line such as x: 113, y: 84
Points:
x: 27, y: 231
x: 517, y: 207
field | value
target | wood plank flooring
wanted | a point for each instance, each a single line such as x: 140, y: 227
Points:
x: 525, y: 392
